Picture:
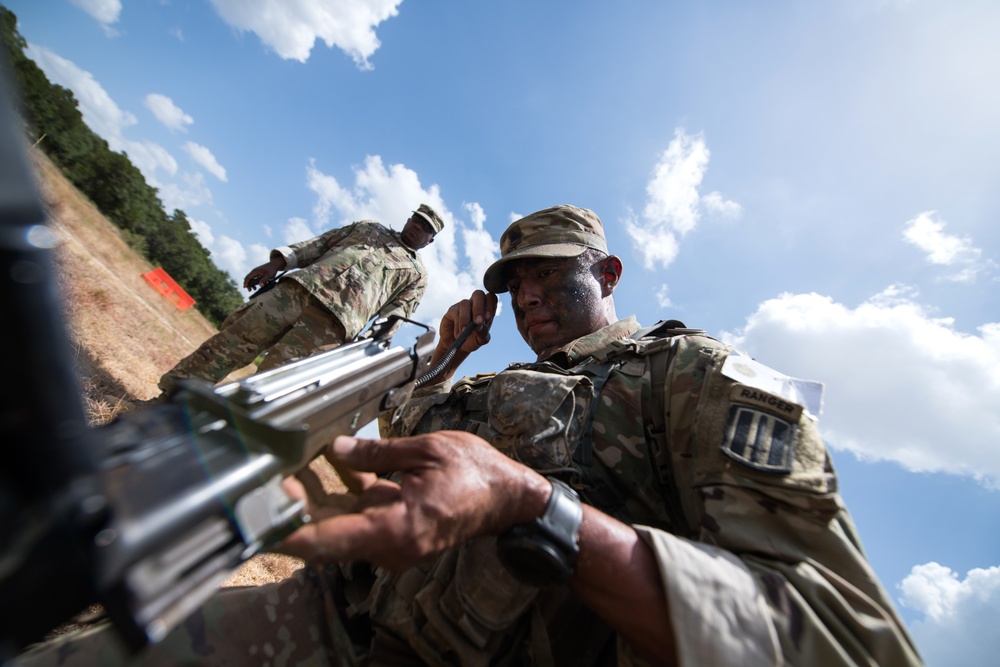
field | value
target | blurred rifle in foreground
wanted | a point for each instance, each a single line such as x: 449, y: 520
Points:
x: 149, y: 514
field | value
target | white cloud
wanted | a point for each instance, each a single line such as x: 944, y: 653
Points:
x: 943, y: 249
x: 105, y: 11
x: 204, y: 157
x: 229, y: 254
x: 291, y: 27
x: 149, y: 157
x: 203, y: 231
x: 167, y: 112
x: 191, y: 192
x: 330, y: 196
x: 714, y: 202
x: 480, y: 248
x: 102, y: 115
x: 673, y: 205
x: 389, y: 195
x: 899, y: 381
x: 99, y: 111
x: 672, y: 194
x: 961, y: 616
x: 258, y: 253
x: 662, y: 298
x: 297, y: 229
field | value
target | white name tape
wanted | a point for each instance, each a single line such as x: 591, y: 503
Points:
x: 807, y: 393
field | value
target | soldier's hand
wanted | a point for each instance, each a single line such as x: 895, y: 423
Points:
x: 480, y: 308
x: 453, y: 486
x: 261, y: 274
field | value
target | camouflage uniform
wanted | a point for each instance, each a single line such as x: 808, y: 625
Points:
x: 348, y: 275
x: 760, y: 560
x: 758, y: 555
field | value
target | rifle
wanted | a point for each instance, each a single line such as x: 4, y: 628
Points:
x: 267, y: 286
x: 148, y: 514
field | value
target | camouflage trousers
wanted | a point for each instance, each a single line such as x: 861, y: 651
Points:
x: 284, y: 624
x: 286, y: 322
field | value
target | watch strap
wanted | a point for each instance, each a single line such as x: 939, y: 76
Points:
x: 544, y: 551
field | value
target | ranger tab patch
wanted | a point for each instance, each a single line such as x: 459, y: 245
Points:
x: 765, y: 400
x: 759, y: 440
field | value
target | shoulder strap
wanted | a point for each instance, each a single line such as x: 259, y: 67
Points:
x: 656, y: 429
x: 654, y: 413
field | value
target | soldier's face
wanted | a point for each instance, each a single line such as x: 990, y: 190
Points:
x: 555, y: 301
x: 417, y: 233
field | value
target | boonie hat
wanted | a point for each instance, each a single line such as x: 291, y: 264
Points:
x: 560, y: 231
x: 431, y: 216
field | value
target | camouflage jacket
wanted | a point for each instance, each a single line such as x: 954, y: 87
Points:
x: 357, y: 272
x: 760, y: 560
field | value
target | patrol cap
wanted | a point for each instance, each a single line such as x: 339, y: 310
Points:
x: 431, y: 216
x: 560, y: 231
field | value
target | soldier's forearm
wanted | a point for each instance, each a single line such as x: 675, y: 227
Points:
x: 617, y: 576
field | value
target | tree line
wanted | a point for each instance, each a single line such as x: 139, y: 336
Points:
x: 114, y: 184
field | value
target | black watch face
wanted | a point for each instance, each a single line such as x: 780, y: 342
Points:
x: 534, y: 560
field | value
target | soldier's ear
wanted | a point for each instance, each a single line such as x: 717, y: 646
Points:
x: 611, y: 273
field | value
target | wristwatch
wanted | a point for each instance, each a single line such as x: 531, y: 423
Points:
x: 544, y: 552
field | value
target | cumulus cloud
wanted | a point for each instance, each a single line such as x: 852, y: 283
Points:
x: 167, y: 112
x: 480, y: 247
x: 205, y: 159
x: 927, y: 233
x: 960, y: 615
x: 191, y: 191
x: 297, y: 229
x: 673, y: 206
x: 459, y: 255
x: 229, y: 254
x: 899, y: 380
x: 291, y: 27
x: 103, y: 115
x: 105, y: 11
x: 150, y: 157
x: 203, y: 231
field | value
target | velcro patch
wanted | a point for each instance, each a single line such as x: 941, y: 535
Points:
x: 759, y: 440
x: 781, y: 407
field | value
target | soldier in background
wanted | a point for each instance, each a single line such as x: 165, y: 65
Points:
x: 346, y: 276
x: 633, y: 497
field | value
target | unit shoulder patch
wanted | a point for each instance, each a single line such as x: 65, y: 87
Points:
x: 759, y: 439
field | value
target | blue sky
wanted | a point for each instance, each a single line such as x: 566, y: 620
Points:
x: 813, y: 182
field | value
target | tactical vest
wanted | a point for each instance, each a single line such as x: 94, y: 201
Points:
x: 464, y: 608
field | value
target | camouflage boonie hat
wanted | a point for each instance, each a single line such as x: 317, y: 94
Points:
x: 560, y: 231
x: 431, y: 216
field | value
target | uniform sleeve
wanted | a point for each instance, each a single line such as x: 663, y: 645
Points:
x: 775, y: 571
x: 406, y: 300
x: 302, y: 254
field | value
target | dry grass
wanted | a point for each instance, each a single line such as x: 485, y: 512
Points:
x: 125, y: 335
